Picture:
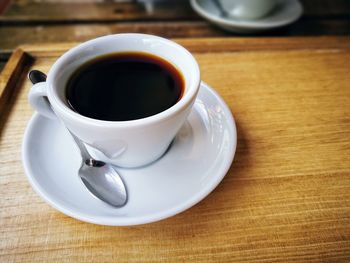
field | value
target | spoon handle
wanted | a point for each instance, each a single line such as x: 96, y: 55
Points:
x: 84, y: 152
x: 37, y: 76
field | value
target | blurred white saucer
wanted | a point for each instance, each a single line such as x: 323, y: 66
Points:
x: 285, y: 13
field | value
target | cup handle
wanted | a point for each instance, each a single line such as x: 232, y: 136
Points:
x: 38, y: 100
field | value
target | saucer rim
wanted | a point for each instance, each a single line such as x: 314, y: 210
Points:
x: 136, y: 220
x: 246, y: 24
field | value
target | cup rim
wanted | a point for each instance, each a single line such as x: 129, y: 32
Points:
x: 182, y: 104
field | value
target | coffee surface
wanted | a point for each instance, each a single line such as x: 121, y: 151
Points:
x: 124, y: 86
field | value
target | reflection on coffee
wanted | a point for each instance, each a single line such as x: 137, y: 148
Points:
x: 124, y: 86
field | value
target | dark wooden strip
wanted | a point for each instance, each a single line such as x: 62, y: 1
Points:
x: 314, y: 27
x: 326, y: 8
x: 79, y: 33
x: 41, y: 12
x: 10, y: 77
x: 7, y: 76
x: 31, y: 11
x: 194, y: 29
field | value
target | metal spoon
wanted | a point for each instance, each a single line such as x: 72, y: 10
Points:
x: 101, y: 179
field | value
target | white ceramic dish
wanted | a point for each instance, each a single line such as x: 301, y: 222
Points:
x: 285, y: 13
x: 196, y: 162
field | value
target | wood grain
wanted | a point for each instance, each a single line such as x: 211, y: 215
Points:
x: 286, y: 197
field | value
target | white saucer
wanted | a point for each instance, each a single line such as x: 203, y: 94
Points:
x: 286, y: 12
x: 197, y: 161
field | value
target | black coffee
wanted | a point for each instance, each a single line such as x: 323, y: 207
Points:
x: 124, y: 86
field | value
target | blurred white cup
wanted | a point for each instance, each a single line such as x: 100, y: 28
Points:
x: 248, y: 9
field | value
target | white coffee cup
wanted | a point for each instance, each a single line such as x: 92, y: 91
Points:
x: 248, y: 9
x: 130, y: 143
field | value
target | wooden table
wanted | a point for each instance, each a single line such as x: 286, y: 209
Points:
x: 52, y: 21
x: 286, y: 197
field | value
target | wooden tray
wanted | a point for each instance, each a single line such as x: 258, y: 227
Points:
x: 285, y: 198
